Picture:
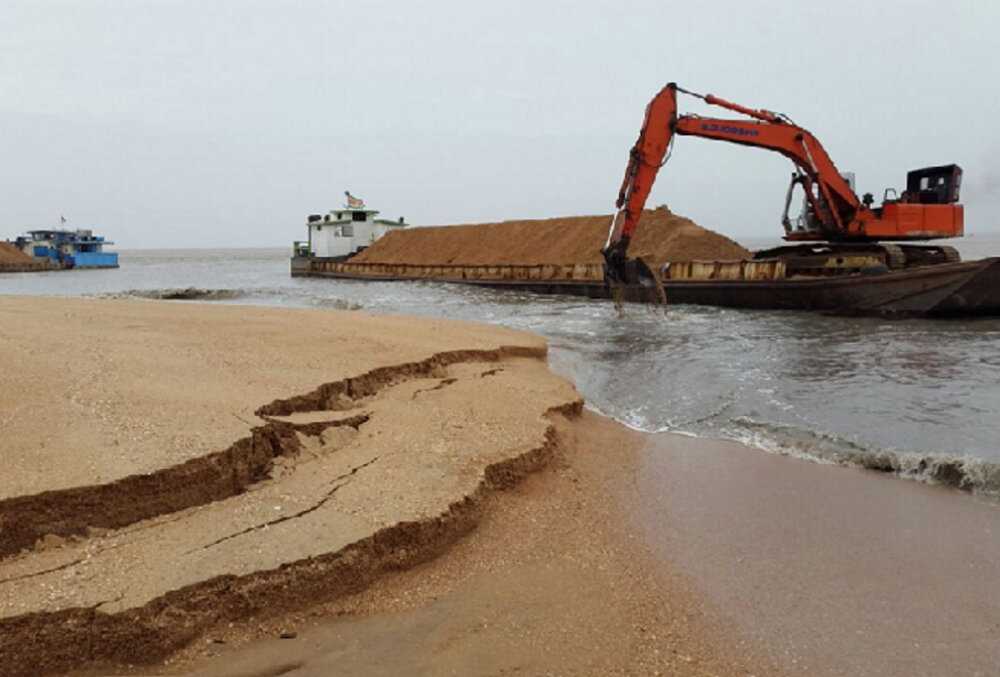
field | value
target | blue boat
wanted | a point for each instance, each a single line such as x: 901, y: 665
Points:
x: 63, y: 248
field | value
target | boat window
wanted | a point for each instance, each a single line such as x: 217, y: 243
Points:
x: 359, y: 216
x: 348, y: 231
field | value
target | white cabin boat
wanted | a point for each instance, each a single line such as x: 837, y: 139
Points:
x: 342, y: 233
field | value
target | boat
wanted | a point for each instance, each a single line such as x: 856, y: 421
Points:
x: 67, y: 249
x: 341, y: 233
x: 947, y: 289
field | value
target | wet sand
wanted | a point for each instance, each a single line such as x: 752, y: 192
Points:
x: 830, y: 570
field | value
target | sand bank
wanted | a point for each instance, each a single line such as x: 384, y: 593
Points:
x: 330, y: 447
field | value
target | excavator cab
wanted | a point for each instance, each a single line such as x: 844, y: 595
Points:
x: 933, y: 185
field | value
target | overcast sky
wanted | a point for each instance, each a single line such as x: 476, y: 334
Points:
x: 224, y: 123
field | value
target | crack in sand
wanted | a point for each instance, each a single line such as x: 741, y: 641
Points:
x: 33, y: 574
x: 108, y: 601
x: 346, y: 477
x: 80, y: 560
x: 242, y: 420
x: 317, y: 428
x: 444, y: 383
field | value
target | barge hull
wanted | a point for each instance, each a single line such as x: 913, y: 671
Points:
x: 968, y: 288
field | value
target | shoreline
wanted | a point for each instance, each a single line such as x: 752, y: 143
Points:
x: 964, y: 473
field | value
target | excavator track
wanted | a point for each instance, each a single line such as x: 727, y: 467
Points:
x: 826, y: 259
x: 951, y: 254
x: 929, y: 255
x: 895, y: 257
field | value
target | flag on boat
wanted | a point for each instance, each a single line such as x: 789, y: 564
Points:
x: 62, y: 219
x: 354, y: 202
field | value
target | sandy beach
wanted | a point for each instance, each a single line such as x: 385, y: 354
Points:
x: 203, y: 469
x: 247, y: 491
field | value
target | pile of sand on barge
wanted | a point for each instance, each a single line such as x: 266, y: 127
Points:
x: 13, y: 259
x: 662, y: 236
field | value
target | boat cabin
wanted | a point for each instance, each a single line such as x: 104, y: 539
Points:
x: 343, y: 232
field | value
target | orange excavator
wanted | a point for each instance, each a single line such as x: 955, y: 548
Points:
x: 832, y: 213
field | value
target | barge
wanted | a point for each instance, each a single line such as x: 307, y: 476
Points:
x: 950, y: 288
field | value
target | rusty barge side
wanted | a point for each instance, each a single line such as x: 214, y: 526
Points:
x: 968, y: 288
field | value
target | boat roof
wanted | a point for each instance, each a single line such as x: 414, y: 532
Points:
x: 65, y: 231
x: 354, y: 209
x: 75, y: 235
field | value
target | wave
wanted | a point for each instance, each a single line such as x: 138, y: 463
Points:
x: 336, y: 304
x: 180, y: 294
x: 967, y: 473
x: 964, y: 472
x: 223, y: 294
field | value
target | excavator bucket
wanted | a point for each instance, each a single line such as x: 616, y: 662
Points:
x: 632, y: 279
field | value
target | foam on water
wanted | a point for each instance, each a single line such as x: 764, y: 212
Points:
x: 956, y: 470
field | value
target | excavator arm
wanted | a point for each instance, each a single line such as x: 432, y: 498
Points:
x: 831, y: 198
